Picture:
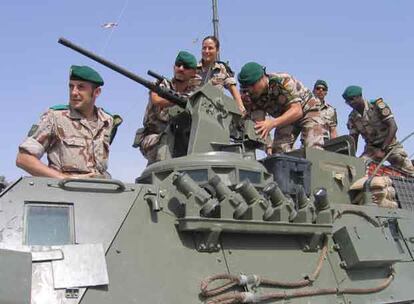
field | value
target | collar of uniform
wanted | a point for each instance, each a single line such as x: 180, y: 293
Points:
x: 73, y: 114
x: 102, y: 116
x: 214, y: 66
x: 366, y: 107
x: 187, y: 89
x: 364, y: 113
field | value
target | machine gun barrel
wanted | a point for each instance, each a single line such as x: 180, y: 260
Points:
x: 156, y: 75
x: 163, y: 92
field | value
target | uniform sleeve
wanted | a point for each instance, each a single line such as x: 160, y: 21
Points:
x: 40, y: 136
x: 333, y: 122
x: 229, y: 79
x: 247, y: 101
x: 383, y: 109
x: 351, y: 127
x: 291, y: 89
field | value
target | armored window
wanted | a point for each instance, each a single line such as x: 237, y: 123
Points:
x: 252, y: 176
x: 198, y: 175
x: 48, y: 224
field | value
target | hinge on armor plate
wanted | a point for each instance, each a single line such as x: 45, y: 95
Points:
x: 208, y: 241
x: 72, y: 293
x: 313, y: 243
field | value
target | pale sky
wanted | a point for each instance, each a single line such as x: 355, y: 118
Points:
x: 367, y: 43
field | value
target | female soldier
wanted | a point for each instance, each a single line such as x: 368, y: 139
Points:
x: 216, y: 72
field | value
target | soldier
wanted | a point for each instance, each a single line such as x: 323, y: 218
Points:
x: 375, y: 122
x: 217, y: 73
x: 328, y: 112
x: 76, y: 137
x: 293, y: 107
x: 156, y: 117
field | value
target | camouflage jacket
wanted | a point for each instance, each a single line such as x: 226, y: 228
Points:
x: 220, y: 75
x: 283, y: 91
x: 156, y: 119
x: 371, y: 124
x: 328, y: 114
x: 73, y: 144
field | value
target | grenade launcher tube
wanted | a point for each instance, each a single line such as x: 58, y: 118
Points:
x: 163, y: 92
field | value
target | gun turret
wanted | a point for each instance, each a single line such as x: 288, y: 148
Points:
x: 171, y: 95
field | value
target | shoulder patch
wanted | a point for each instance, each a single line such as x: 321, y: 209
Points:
x: 385, y: 112
x: 32, y: 130
x: 117, y: 122
x: 379, y: 103
x: 59, y: 107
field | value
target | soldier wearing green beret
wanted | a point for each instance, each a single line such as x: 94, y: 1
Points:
x: 150, y: 138
x: 328, y: 112
x: 374, y: 121
x: 75, y: 136
x: 293, y: 107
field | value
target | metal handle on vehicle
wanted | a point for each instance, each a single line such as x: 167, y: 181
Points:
x: 65, y: 184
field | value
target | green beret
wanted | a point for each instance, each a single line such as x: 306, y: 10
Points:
x: 321, y: 82
x: 250, y: 73
x: 352, y: 91
x: 187, y: 59
x: 85, y: 73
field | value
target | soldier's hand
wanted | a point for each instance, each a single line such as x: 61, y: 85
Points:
x: 269, y: 151
x: 379, y: 154
x: 79, y: 176
x: 264, y: 127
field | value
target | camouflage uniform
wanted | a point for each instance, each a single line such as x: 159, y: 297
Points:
x: 371, y: 125
x: 329, y: 116
x: 73, y: 144
x: 220, y: 76
x: 155, y: 122
x: 283, y: 91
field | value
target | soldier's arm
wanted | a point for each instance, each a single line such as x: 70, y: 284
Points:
x: 392, y: 131
x: 31, y: 164
x: 292, y: 114
x: 355, y: 137
x: 159, y: 101
x: 35, y: 167
x: 332, y: 127
x: 237, y: 97
x: 332, y: 131
x: 39, y: 140
x: 353, y: 131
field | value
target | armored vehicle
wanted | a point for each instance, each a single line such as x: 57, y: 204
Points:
x: 209, y: 224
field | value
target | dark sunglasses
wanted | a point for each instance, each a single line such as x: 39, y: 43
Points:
x: 349, y: 100
x: 185, y: 66
x: 321, y: 89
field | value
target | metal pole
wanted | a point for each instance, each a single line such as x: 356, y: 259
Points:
x: 215, y: 23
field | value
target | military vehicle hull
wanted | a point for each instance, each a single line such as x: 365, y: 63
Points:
x: 142, y: 243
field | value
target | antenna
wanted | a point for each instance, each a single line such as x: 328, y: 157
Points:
x: 215, y: 23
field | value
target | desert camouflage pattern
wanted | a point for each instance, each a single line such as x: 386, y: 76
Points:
x: 156, y: 120
x: 73, y: 144
x: 329, y: 116
x: 220, y: 76
x: 283, y: 91
x: 373, y: 129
